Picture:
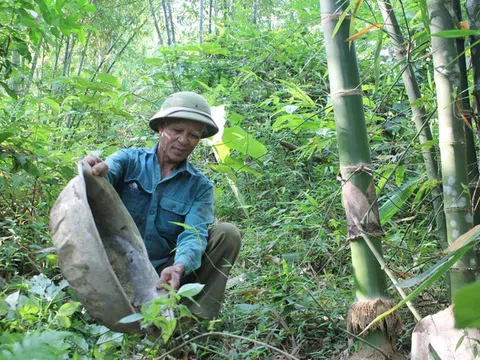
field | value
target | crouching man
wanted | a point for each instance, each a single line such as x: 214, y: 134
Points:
x: 172, y: 202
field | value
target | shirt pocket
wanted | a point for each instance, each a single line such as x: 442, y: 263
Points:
x: 136, y: 201
x: 170, y: 211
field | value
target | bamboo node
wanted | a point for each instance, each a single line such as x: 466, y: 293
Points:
x: 346, y: 93
x: 457, y: 209
x: 351, y: 169
x: 461, y: 269
x: 335, y: 16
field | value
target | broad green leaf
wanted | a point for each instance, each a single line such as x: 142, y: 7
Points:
x: 64, y: 322
x: 189, y: 290
x: 167, y: 327
x: 68, y: 308
x: 466, y: 303
x: 227, y: 170
x: 45, y: 344
x: 109, y: 79
x: 9, y: 91
x: 12, y: 299
x: 237, y: 139
x: 131, y: 318
x: 396, y: 199
x: 52, y: 103
x: 81, y: 36
x: 59, y: 4
x: 5, y: 135
x: 90, y: 8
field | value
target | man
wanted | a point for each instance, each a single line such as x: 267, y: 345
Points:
x: 172, y: 202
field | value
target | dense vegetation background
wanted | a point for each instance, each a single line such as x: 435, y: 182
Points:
x: 82, y: 77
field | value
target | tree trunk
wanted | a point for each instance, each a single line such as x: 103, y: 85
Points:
x: 57, y: 54
x: 155, y: 23
x: 201, y: 22
x: 70, y: 56
x: 255, y: 11
x: 457, y: 204
x: 172, y: 27
x: 33, y: 67
x: 84, y: 52
x: 65, y: 56
x: 210, y: 11
x: 167, y: 27
x: 358, y: 190
x: 466, y: 109
x: 419, y: 113
x: 473, y: 11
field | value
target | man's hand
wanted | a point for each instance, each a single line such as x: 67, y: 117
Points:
x: 172, y: 276
x: 99, y: 167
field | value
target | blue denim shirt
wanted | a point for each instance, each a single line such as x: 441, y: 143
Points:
x: 185, y: 196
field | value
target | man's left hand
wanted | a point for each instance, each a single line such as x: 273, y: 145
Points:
x: 172, y: 276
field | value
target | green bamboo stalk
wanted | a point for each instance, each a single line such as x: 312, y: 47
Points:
x: 473, y: 11
x: 464, y: 100
x: 358, y: 190
x: 420, y: 117
x: 457, y: 204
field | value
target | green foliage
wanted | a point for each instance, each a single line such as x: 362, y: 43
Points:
x: 466, y: 307
x: 292, y: 283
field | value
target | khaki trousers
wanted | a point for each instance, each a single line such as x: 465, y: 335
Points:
x: 222, y: 250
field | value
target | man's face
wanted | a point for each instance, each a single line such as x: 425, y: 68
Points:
x: 179, y: 138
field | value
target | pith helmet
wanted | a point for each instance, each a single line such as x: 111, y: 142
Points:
x: 186, y: 106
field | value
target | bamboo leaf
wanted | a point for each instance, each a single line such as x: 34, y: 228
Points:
x: 399, y: 175
x: 358, y: 4
x: 342, y: 19
x: 465, y: 239
x: 364, y: 31
x: 456, y: 33
x: 396, y: 199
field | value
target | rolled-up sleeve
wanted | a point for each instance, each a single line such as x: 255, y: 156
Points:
x: 192, y: 242
x: 117, y: 165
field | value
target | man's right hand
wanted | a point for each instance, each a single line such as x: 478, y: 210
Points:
x: 99, y: 167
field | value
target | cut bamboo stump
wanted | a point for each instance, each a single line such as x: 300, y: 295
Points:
x: 101, y: 252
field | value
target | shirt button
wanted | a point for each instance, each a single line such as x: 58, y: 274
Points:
x: 149, y: 237
x: 152, y: 212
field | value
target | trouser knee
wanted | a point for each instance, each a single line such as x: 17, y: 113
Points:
x: 228, y: 234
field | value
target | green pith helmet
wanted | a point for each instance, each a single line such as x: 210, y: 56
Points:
x: 186, y: 106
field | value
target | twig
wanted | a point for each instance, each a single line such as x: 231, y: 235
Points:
x: 387, y: 270
x: 215, y: 333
